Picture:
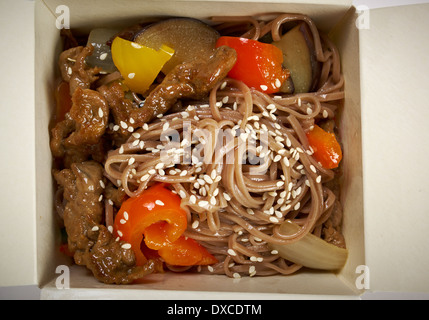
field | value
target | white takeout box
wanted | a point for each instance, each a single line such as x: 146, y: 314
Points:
x: 383, y: 126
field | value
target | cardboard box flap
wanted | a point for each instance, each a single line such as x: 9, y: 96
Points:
x: 18, y: 213
x: 394, y: 65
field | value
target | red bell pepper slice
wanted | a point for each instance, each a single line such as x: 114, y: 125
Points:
x: 156, y: 217
x: 326, y: 148
x: 259, y: 65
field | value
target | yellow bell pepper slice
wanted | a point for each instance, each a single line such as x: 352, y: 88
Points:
x: 139, y: 65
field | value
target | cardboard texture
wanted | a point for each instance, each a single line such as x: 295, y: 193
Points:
x: 368, y: 226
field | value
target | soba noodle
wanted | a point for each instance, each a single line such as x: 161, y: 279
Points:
x: 240, y: 161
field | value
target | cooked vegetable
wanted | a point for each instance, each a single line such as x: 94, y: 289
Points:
x: 101, y: 56
x: 156, y: 218
x: 259, y: 65
x: 139, y: 65
x: 190, y: 38
x: 310, y: 251
x: 326, y: 148
x: 299, y: 57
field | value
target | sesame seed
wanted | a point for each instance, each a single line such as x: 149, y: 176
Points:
x: 213, y: 174
x: 313, y: 168
x: 274, y: 252
x: 278, y: 83
x: 212, y: 201
x: 182, y: 194
x: 183, y: 173
x: 280, y: 184
x: 115, y: 127
x: 136, y: 45
x: 135, y: 143
x: 159, y: 202
x: 131, y: 75
x: 69, y: 71
x: 296, y: 207
x: 103, y: 56
x: 203, y: 203
x: 231, y: 252
x: 95, y: 228
x: 126, y: 246
x: 122, y: 221
x: 227, y: 196
x: 195, y: 224
x: 161, y: 172
x: 102, y: 184
x: 274, y: 220
x: 152, y: 171
x: 192, y: 199
x: 263, y: 87
x: 208, y: 179
x: 253, y: 258
x: 250, y: 211
x: 110, y: 229
x: 159, y: 166
x: 145, y: 127
x: 145, y: 177
x: 100, y: 198
x: 125, y: 215
x: 165, y: 126
x: 325, y: 114
x: 277, y: 158
x: 259, y: 259
x: 286, y: 161
x: 319, y: 179
x: 100, y: 113
x: 236, y: 275
x: 210, y: 268
x: 123, y: 125
x: 131, y: 161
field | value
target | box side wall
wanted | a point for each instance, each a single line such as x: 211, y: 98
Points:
x: 127, y: 12
x: 17, y: 163
x: 346, y: 36
x: 48, y: 50
x: 47, y: 46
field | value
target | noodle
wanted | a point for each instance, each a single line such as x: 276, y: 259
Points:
x: 236, y: 206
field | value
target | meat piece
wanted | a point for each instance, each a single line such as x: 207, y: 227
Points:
x: 61, y: 131
x: 74, y: 69
x: 120, y: 107
x: 90, y: 112
x: 117, y: 195
x: 91, y: 244
x: 192, y: 79
x: 80, y: 136
x: 331, y: 231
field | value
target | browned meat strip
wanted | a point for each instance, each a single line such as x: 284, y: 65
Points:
x: 80, y: 135
x: 120, y: 107
x: 332, y: 227
x: 90, y: 112
x: 90, y: 242
x: 74, y: 69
